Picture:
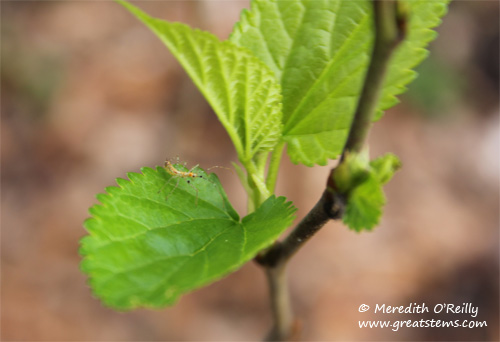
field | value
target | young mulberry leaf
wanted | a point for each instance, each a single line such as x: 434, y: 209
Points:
x: 385, y: 166
x: 361, y: 182
x: 156, y: 237
x: 364, y: 205
x: 319, y: 51
x: 241, y: 89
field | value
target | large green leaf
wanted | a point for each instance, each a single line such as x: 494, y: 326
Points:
x: 240, y: 88
x: 319, y: 50
x: 156, y: 237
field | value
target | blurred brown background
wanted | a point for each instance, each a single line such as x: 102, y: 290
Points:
x: 88, y: 94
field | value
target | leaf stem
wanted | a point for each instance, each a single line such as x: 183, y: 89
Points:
x: 390, y: 29
x: 274, y: 165
x: 260, y: 161
x: 256, y: 183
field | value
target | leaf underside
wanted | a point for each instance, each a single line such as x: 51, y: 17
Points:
x: 156, y: 237
x: 319, y: 51
x: 241, y: 89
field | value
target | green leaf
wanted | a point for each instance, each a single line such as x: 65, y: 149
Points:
x: 156, y: 237
x: 364, y: 205
x: 319, y: 51
x: 362, y: 182
x: 241, y: 89
x: 385, y: 166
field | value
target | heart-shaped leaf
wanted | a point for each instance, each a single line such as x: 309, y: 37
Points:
x: 156, y: 236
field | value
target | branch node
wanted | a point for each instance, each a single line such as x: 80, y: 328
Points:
x: 270, y: 257
x: 334, y: 206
